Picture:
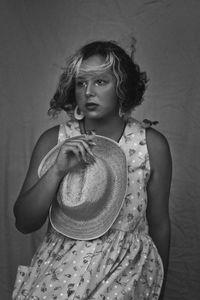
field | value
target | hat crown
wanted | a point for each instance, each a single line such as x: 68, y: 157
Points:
x: 90, y: 197
x: 85, y: 184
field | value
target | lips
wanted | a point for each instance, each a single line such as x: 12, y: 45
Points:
x: 91, y: 105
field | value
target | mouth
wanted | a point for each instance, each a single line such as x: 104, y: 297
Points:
x: 91, y: 105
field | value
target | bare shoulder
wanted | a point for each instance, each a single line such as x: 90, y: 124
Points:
x: 47, y: 140
x: 156, y: 138
x: 45, y: 143
x: 158, y: 147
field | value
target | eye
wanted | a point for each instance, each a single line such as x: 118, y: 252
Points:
x: 101, y: 82
x: 81, y: 83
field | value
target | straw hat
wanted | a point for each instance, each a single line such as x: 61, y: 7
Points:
x: 90, y: 196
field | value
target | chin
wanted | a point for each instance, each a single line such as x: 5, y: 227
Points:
x: 94, y: 115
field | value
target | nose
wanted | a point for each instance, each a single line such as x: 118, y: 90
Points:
x: 89, y: 91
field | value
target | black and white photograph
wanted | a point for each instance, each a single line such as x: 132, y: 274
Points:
x: 99, y: 150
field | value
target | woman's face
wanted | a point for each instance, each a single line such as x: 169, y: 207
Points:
x: 95, y: 91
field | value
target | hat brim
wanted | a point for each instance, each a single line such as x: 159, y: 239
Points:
x: 104, y: 215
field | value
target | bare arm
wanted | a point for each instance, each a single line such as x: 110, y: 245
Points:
x: 158, y: 195
x: 32, y: 205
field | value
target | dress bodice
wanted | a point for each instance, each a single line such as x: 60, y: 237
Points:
x: 122, y: 264
x: 132, y: 216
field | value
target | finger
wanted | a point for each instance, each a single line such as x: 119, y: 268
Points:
x: 85, y: 137
x: 77, y: 148
x: 84, y: 144
x: 67, y: 149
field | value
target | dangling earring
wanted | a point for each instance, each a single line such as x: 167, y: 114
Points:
x: 78, y: 115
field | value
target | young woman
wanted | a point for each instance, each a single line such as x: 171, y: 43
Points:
x: 99, y: 88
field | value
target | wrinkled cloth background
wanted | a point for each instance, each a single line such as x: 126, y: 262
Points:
x: 35, y: 39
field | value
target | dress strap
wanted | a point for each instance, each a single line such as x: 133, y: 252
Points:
x: 148, y: 123
x: 62, y: 133
x: 68, y: 130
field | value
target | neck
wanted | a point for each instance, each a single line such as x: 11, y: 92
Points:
x: 112, y: 127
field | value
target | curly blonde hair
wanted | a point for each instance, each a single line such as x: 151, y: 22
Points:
x: 130, y: 81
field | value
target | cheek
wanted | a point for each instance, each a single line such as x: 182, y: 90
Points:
x: 111, y: 94
x: 78, y: 96
x: 77, y: 92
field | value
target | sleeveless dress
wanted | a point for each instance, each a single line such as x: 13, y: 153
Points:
x: 123, y: 264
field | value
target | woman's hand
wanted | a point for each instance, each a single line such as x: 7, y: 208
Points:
x: 32, y: 205
x: 74, y: 151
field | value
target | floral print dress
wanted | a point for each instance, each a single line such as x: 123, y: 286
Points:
x: 122, y: 264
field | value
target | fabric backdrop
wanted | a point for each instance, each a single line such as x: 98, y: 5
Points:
x: 35, y: 38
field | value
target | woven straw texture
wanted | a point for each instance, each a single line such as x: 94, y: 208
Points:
x: 90, y: 197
